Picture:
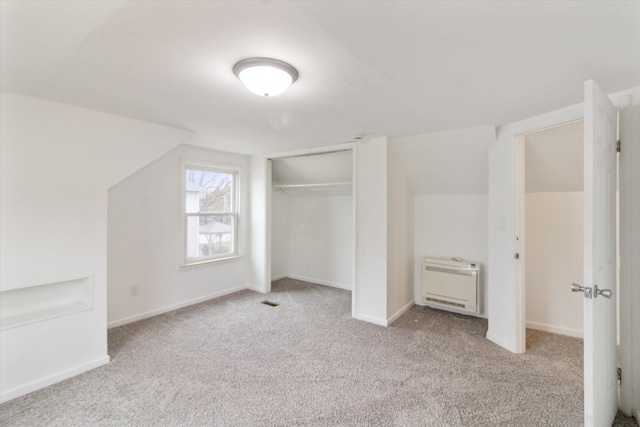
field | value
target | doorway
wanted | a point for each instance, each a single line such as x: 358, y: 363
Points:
x: 506, y: 218
x: 553, y: 239
x: 312, y: 218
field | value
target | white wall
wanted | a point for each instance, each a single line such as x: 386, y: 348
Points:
x: 400, y: 238
x: 146, y: 240
x: 259, y: 277
x: 57, y: 163
x: 320, y: 230
x: 279, y: 235
x: 452, y: 226
x: 554, y: 256
x: 370, y: 293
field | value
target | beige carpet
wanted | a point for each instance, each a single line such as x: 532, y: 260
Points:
x: 236, y: 362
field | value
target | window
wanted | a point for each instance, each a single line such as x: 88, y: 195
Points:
x: 211, y: 215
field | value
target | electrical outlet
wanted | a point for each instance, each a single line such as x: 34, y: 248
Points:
x: 134, y: 290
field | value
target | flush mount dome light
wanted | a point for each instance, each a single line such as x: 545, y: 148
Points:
x: 265, y: 76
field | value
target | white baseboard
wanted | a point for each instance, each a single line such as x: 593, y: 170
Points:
x: 370, y: 319
x: 52, y: 379
x: 176, y: 306
x: 278, y: 277
x: 319, y: 282
x: 555, y: 329
x: 400, y: 312
x: 637, y: 416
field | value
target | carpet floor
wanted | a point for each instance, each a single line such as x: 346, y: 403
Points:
x: 234, y: 361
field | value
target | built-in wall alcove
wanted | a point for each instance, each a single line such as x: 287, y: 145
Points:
x: 312, y: 218
x: 32, y: 304
x: 448, y: 174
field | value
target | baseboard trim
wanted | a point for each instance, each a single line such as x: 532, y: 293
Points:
x: 278, y: 277
x: 370, y: 319
x: 166, y: 309
x: 400, y: 312
x: 319, y: 282
x: 52, y: 379
x: 637, y: 416
x: 555, y: 329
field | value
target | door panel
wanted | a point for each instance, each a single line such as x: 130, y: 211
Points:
x: 600, y: 374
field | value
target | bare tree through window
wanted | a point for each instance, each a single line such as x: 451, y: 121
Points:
x: 211, y: 216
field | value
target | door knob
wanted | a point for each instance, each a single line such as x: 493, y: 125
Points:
x: 604, y: 292
x: 588, y: 292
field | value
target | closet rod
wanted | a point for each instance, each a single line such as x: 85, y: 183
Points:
x: 328, y: 184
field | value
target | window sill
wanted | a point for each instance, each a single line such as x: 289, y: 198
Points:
x: 210, y: 261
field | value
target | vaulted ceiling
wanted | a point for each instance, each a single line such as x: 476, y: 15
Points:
x: 389, y: 68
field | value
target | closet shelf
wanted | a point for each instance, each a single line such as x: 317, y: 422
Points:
x: 316, y: 186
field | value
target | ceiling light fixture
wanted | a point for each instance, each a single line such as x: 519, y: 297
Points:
x: 265, y: 76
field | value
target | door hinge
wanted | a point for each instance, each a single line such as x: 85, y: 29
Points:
x: 620, y: 374
x: 516, y: 255
x: 618, y: 146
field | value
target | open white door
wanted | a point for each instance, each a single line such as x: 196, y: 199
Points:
x: 600, y: 370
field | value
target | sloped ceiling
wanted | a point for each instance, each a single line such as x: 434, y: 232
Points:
x: 452, y: 162
x: 554, y: 159
x: 387, y: 68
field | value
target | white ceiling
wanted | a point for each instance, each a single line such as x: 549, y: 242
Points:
x: 385, y: 68
x: 554, y: 159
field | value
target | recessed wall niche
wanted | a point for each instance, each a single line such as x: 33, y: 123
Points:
x: 32, y: 304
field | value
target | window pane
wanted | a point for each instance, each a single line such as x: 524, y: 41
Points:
x: 209, y: 191
x: 210, y: 236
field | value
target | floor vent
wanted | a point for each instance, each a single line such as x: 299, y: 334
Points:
x: 270, y: 304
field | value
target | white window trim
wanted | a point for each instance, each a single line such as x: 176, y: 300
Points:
x: 237, y: 170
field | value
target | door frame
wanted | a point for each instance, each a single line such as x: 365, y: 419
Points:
x: 629, y: 296
x: 507, y: 303
x: 520, y: 223
x: 514, y: 337
x: 347, y: 146
x: 550, y: 121
x: 506, y: 297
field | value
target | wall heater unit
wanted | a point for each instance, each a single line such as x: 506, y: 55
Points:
x: 451, y: 284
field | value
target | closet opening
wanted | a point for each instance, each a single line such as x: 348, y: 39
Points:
x: 552, y: 233
x: 553, y: 240
x: 312, y: 219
